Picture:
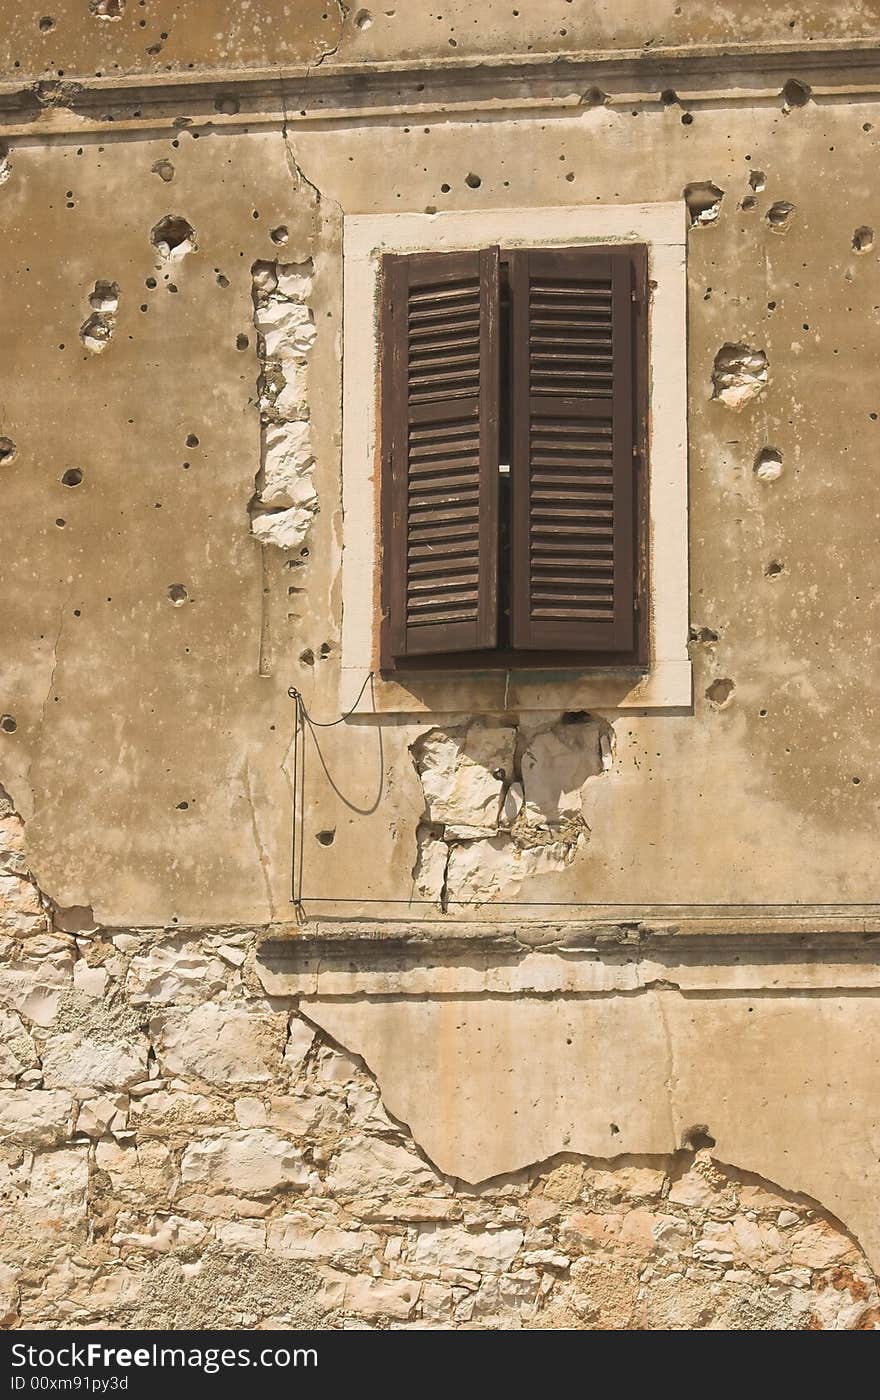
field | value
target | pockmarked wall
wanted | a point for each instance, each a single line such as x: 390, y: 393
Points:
x: 543, y: 933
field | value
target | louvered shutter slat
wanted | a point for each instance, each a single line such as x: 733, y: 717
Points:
x: 440, y: 424
x: 573, y: 436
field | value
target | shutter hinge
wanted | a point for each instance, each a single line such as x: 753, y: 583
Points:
x: 638, y: 457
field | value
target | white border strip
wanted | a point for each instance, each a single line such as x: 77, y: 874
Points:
x: 667, y: 682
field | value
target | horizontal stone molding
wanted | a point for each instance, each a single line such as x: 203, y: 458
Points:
x: 722, y: 73
x: 751, y: 965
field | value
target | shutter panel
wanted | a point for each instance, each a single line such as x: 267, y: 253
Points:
x: 572, y: 468
x: 440, y: 451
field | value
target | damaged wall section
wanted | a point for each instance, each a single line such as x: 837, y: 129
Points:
x: 285, y: 501
x: 181, y: 1148
x: 503, y: 804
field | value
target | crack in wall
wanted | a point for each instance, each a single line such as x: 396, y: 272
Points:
x: 262, y: 854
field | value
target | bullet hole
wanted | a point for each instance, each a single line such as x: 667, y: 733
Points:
x: 570, y: 176
x: 221, y: 280
x: 779, y: 215
x: 144, y: 306
x: 7, y: 450
x: 77, y: 612
x: 60, y: 523
x: 326, y: 838
x: 192, y: 440
x: 856, y: 782
x: 739, y: 374
x: 8, y: 724
x: 105, y: 297
x: 151, y: 283
x: 325, y: 650
x: 307, y: 657
x: 757, y: 180
x: 186, y: 466
x: 763, y: 714
x: 796, y: 94
x: 279, y: 235
x: 472, y: 181
x: 241, y: 341
x: 182, y: 806
x: 698, y: 1138
x: 47, y: 24
x: 748, y: 202
x: 687, y: 118
x: 594, y: 97
x: 768, y: 464
x: 177, y: 594
x: 164, y: 169
x: 173, y: 237
x: 255, y: 213
x: 444, y: 189
x: 613, y: 1129
x: 668, y: 97
x: 363, y: 20
x: 97, y: 330
x: 771, y: 306
x: 228, y: 106
x: 703, y: 201
x: 720, y: 691
x: 773, y: 569
x: 705, y: 635
x: 863, y: 240
x: 107, y: 9
x: 72, y: 477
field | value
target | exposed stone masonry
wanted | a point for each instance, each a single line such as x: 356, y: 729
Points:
x: 503, y: 804
x: 285, y: 501
x: 179, y: 1149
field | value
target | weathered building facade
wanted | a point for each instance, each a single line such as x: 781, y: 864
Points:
x: 526, y: 995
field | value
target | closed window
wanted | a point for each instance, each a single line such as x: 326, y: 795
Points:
x: 513, y: 426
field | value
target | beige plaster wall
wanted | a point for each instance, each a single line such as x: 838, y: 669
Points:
x: 127, y: 708
x: 157, y: 36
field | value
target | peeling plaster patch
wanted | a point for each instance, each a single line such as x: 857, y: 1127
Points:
x: 173, y: 237
x: 7, y: 450
x: 285, y: 500
x: 863, y: 239
x: 107, y: 9
x: 757, y: 180
x: 164, y: 169
x: 97, y: 330
x: 768, y: 464
x: 502, y: 807
x: 704, y: 202
x: 779, y: 215
x: 5, y: 164
x: 740, y: 374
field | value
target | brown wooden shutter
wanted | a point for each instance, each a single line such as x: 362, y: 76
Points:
x: 573, y: 467
x: 440, y: 451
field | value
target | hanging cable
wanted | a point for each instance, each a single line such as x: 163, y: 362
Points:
x: 302, y: 719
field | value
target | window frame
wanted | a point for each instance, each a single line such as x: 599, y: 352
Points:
x: 664, y: 685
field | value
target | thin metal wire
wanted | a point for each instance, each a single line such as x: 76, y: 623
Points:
x: 302, y: 718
